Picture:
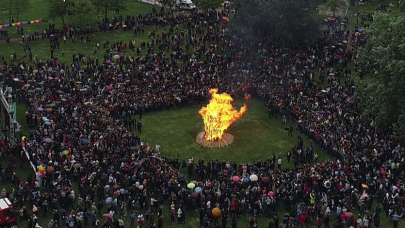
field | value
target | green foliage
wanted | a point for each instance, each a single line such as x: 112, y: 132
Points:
x: 284, y: 23
x: 382, y: 73
x: 209, y: 4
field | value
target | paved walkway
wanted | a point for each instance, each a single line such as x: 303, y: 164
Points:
x: 152, y: 2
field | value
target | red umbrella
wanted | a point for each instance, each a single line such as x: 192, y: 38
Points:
x: 344, y: 216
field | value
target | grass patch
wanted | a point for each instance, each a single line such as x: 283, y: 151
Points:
x: 39, y: 9
x: 41, y: 49
x: 21, y: 109
x: 258, y: 136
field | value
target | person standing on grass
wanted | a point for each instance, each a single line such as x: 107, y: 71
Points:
x: 377, y: 219
x: 396, y: 216
x: 234, y: 222
x: 139, y: 127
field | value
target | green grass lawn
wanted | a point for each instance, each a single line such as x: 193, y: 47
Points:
x: 257, y: 136
x: 41, y: 49
x: 39, y: 9
x: 21, y: 109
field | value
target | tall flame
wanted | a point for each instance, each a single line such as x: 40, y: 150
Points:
x: 219, y: 114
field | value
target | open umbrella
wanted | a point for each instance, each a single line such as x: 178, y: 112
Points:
x: 48, y: 140
x: 344, y: 216
x: 253, y: 177
x: 65, y: 152
x: 191, y: 185
x: 108, y: 200
x: 246, y: 179
x: 235, y: 179
x: 216, y: 213
x: 271, y: 194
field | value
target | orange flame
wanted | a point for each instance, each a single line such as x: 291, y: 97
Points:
x: 219, y: 114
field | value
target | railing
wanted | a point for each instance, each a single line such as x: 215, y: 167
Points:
x: 4, y: 100
x: 10, y: 107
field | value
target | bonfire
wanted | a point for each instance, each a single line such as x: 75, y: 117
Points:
x: 218, y: 116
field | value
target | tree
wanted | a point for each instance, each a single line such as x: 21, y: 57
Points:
x: 381, y: 66
x: 285, y: 23
x: 59, y: 9
x: 209, y: 4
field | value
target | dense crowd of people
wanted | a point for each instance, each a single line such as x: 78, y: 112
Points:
x: 92, y: 170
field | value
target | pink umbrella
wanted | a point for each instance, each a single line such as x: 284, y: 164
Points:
x: 344, y: 216
x: 271, y: 194
x: 235, y: 179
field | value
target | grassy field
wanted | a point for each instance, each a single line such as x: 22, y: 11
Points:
x: 41, y: 49
x: 258, y: 136
x: 39, y: 9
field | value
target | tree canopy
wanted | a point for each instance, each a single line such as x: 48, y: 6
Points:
x: 381, y: 68
x: 285, y: 23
